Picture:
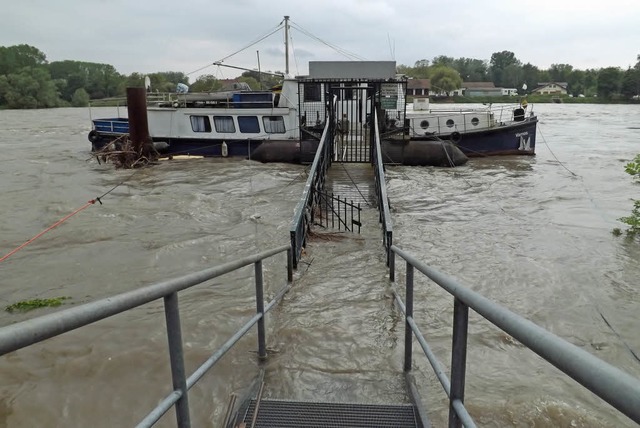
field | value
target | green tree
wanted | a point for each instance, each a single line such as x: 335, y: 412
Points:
x: 443, y: 60
x: 80, y: 98
x: 32, y: 87
x: 576, y: 81
x: 560, y: 72
x: 530, y: 76
x: 420, y: 70
x: 15, y: 58
x: 609, y: 82
x: 251, y: 81
x: 472, y: 70
x: 512, y: 76
x: 632, y: 221
x: 73, y: 74
x: 134, y: 80
x: 631, y: 83
x: 499, y: 62
x: 445, y: 79
x: 206, y: 83
x: 167, y: 81
x: 591, y: 82
x: 264, y: 80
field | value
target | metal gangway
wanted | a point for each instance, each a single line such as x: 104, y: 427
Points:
x: 614, y: 386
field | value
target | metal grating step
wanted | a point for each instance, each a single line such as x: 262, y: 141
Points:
x: 284, y: 414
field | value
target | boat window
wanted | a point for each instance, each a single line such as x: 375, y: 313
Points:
x: 312, y: 92
x: 450, y: 123
x: 273, y: 124
x: 475, y: 121
x: 249, y: 124
x: 224, y: 124
x: 200, y: 124
x: 424, y: 124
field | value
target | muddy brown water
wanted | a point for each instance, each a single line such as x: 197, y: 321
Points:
x: 532, y: 234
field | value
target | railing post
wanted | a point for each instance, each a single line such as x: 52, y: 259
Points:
x: 262, y: 347
x: 294, y: 248
x: 392, y: 265
x: 458, y: 358
x: 176, y: 356
x: 408, y: 333
x: 290, y: 265
x: 389, y: 239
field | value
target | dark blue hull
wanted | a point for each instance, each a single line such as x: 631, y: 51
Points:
x: 511, y: 139
x: 290, y: 151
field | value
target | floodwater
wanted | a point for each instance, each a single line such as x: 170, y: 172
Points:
x: 532, y: 234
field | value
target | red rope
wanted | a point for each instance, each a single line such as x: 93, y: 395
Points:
x: 53, y: 226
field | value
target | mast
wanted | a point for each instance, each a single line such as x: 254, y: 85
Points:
x: 286, y: 45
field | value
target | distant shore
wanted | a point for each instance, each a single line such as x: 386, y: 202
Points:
x: 538, y: 99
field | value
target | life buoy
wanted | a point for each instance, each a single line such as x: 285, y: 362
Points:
x: 93, y: 136
x: 455, y: 137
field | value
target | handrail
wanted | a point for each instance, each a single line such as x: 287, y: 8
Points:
x: 613, y: 385
x: 303, y: 214
x: 17, y: 336
x: 381, y: 189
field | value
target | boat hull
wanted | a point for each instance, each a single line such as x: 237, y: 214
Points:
x: 290, y: 150
x: 509, y: 139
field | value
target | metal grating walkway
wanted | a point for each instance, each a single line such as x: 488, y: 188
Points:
x: 283, y: 414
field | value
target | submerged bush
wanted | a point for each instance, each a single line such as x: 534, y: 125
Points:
x: 633, y: 221
x: 28, y: 305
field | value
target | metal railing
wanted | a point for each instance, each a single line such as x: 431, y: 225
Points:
x: 335, y: 212
x: 304, y: 212
x: 26, y: 333
x: 381, y: 190
x: 613, y: 385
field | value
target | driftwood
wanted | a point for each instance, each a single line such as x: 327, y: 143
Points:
x: 122, y: 153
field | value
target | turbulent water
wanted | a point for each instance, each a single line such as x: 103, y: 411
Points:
x: 533, y: 234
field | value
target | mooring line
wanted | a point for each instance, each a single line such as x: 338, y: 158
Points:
x: 65, y: 218
x: 53, y: 226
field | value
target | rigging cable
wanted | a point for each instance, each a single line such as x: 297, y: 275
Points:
x: 278, y: 28
x: 271, y: 32
x: 65, y: 218
x: 341, y: 51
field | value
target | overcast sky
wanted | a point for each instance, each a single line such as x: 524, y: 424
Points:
x: 147, y: 36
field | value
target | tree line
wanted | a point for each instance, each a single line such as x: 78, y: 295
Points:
x: 28, y: 80
x: 506, y: 71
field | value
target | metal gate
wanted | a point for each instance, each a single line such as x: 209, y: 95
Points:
x: 354, y: 105
x: 355, y: 102
x: 331, y: 211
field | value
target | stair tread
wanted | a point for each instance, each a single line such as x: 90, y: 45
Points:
x: 312, y: 414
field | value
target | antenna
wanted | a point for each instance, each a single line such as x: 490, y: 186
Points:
x: 391, y: 49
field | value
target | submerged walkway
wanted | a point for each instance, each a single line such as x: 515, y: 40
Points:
x: 353, y: 181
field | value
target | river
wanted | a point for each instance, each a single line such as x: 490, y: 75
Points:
x: 531, y: 233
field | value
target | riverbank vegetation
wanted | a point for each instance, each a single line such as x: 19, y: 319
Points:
x: 28, y: 80
x: 632, y: 221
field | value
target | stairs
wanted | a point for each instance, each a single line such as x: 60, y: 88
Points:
x: 284, y: 414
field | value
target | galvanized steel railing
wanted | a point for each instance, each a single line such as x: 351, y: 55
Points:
x: 20, y: 335
x: 381, y: 190
x: 614, y: 386
x: 304, y: 212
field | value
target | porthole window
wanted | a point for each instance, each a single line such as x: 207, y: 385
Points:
x: 450, y: 123
x: 424, y: 124
x: 475, y: 121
